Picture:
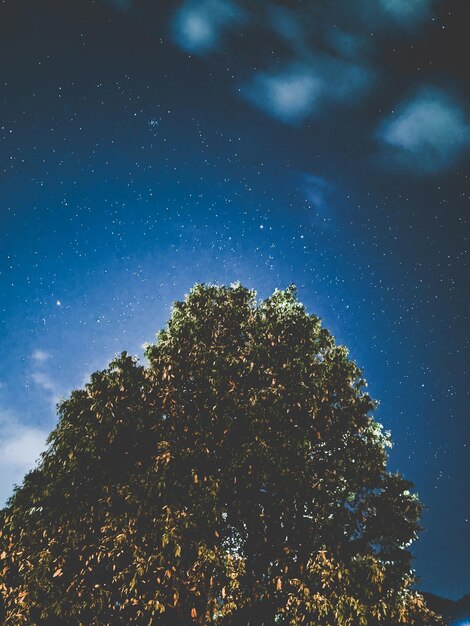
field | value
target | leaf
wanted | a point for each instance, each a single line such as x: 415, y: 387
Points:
x: 57, y: 573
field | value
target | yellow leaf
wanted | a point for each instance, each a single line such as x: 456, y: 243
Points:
x: 58, y: 572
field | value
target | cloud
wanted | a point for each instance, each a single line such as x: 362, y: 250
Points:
x: 344, y: 81
x: 349, y: 46
x: 198, y: 26
x: 288, y: 25
x: 407, y: 11
x: 428, y: 132
x: 330, y: 64
x: 298, y: 91
x: 325, y: 200
x: 326, y: 52
x: 121, y: 5
x: 46, y: 383
x: 40, y: 355
x: 20, y: 447
x: 317, y: 190
x: 41, y: 377
x: 43, y: 380
x: 290, y: 96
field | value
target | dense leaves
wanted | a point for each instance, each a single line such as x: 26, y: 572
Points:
x: 239, y: 478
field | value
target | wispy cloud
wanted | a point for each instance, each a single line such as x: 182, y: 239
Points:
x: 406, y: 11
x: 42, y: 378
x: 427, y: 133
x: 198, y: 26
x: 20, y: 447
x: 121, y: 5
x: 40, y: 355
x: 324, y: 199
x: 45, y: 381
x: 353, y: 47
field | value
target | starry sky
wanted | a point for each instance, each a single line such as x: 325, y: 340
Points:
x: 146, y: 146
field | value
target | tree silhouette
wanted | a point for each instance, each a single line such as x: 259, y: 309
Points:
x: 239, y: 478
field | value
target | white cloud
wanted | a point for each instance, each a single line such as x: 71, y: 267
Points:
x: 43, y: 380
x: 20, y: 447
x: 298, y: 91
x: 290, y: 96
x: 40, y: 355
x: 406, y: 11
x: 428, y: 132
x: 198, y: 26
x: 48, y: 385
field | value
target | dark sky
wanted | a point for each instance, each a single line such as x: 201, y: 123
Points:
x: 146, y: 146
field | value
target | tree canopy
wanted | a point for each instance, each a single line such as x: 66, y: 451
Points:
x: 239, y: 477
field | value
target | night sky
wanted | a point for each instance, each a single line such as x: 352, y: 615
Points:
x: 147, y: 145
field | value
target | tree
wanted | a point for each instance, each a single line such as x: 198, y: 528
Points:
x: 238, y: 478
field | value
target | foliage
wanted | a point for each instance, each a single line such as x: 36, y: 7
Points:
x: 239, y: 477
